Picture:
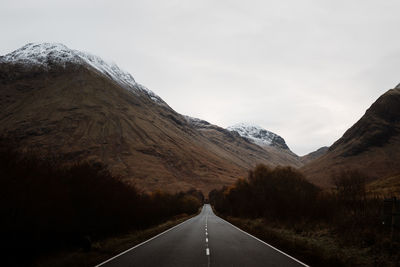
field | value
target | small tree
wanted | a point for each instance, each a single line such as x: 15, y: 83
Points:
x: 350, y: 189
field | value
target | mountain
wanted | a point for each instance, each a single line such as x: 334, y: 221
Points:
x: 75, y: 104
x: 272, y: 143
x: 258, y: 135
x: 371, y: 145
x: 245, y: 148
x: 314, y: 155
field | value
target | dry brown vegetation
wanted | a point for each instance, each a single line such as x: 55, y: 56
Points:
x: 371, y: 145
x: 47, y: 206
x: 287, y: 210
x: 385, y: 187
x: 86, y: 116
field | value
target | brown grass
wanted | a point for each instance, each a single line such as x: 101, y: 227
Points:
x: 342, y: 227
x: 85, y: 116
x: 385, y: 187
x: 316, y: 246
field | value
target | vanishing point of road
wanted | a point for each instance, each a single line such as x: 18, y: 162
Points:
x: 205, y: 240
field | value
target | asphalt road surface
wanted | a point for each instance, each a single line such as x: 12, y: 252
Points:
x: 204, y: 240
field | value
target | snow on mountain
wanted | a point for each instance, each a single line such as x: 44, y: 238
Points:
x: 258, y: 135
x: 47, y: 54
x: 197, y: 122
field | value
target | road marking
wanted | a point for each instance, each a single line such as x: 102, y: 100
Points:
x: 138, y: 245
x: 265, y: 243
x: 206, y: 233
x: 207, y: 251
x: 206, y: 240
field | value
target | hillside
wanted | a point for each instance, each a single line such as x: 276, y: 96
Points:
x: 370, y: 145
x: 74, y: 104
x: 314, y: 155
x: 259, y: 135
x: 275, y: 146
x: 385, y: 187
x: 245, y: 148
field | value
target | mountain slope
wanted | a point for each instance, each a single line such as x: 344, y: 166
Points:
x: 75, y: 104
x: 258, y: 135
x: 272, y: 143
x: 371, y: 145
x: 244, y: 148
x: 384, y: 187
x: 314, y: 155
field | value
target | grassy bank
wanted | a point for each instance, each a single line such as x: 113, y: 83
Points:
x: 106, y: 248
x: 317, y: 246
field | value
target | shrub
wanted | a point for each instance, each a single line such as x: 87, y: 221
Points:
x: 47, y: 205
x: 285, y: 196
x: 281, y: 193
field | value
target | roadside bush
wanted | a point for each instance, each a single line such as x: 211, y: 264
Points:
x: 275, y: 194
x: 283, y: 195
x: 46, y: 205
x: 356, y: 216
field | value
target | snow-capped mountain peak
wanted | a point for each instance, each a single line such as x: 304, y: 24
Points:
x: 47, y: 54
x: 197, y: 122
x: 258, y: 135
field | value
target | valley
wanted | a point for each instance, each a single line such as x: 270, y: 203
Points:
x: 83, y: 133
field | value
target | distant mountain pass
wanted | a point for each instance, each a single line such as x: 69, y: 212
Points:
x: 314, y: 155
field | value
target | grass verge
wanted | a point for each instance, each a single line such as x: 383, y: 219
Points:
x: 316, y: 246
x: 106, y: 248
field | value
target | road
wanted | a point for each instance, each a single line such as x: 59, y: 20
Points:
x: 204, y: 240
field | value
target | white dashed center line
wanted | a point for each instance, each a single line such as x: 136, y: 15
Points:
x: 207, y: 249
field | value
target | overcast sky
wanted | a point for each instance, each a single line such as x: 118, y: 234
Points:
x: 306, y: 70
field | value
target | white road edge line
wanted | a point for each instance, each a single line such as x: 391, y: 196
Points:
x: 148, y: 240
x: 265, y: 243
x: 207, y: 251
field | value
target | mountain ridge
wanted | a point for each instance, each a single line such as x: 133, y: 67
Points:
x: 258, y: 135
x: 314, y: 155
x: 46, y: 55
x: 370, y: 145
x: 83, y: 113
